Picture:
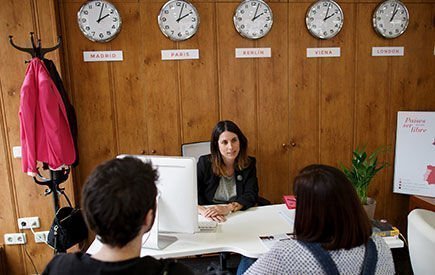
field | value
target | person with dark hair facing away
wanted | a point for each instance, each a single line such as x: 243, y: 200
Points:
x: 332, y: 233
x: 227, y: 178
x: 119, y: 204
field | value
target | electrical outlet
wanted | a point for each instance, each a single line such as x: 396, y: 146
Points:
x: 15, y: 238
x: 41, y: 236
x: 28, y: 222
x: 16, y: 151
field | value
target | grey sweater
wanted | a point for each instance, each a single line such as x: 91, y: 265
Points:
x: 290, y: 257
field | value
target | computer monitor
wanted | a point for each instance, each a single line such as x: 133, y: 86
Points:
x: 177, y: 201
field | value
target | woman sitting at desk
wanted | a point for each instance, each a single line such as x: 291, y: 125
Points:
x: 227, y: 178
x: 332, y: 234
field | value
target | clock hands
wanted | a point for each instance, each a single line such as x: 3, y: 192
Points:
x: 101, y: 12
x: 181, y: 12
x: 394, y: 12
x: 326, y: 18
x: 255, y: 14
x: 98, y: 21
x: 178, y: 20
x: 99, y: 16
x: 327, y: 11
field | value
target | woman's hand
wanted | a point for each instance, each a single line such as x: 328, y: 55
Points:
x: 215, y: 213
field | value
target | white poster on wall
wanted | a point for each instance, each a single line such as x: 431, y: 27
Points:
x: 414, y: 169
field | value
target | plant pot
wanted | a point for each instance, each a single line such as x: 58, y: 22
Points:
x: 370, y: 207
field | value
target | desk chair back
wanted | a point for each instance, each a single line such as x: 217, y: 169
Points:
x: 195, y: 149
x: 421, y: 239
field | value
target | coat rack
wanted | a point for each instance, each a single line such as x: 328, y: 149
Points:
x: 56, y: 176
x: 36, y: 50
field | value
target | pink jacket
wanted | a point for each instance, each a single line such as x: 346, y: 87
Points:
x: 45, y: 132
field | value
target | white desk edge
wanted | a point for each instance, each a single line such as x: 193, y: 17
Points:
x: 238, y: 234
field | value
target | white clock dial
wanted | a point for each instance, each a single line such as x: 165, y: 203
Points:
x: 99, y: 21
x: 253, y: 19
x: 178, y: 20
x: 391, y: 19
x: 324, y: 19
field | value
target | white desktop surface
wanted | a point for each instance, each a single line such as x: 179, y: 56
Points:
x: 239, y: 234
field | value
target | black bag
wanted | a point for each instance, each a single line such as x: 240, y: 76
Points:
x: 68, y: 229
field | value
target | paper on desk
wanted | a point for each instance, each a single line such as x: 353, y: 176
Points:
x: 288, y: 216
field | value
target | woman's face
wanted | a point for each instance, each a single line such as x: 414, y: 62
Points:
x: 229, y: 146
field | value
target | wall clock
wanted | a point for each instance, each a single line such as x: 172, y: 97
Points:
x: 390, y: 19
x: 178, y: 20
x: 99, y: 21
x: 253, y: 19
x: 324, y: 19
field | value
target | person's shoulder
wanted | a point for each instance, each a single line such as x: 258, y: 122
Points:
x: 70, y: 257
x: 204, y: 160
x: 381, y: 245
x: 63, y: 261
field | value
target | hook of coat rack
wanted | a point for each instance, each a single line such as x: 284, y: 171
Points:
x: 36, y: 50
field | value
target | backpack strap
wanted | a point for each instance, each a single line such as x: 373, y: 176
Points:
x: 370, y: 258
x: 322, y: 256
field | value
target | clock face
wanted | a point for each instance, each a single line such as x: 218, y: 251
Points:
x: 391, y: 19
x: 178, y: 20
x: 324, y: 19
x: 99, y: 21
x: 253, y: 19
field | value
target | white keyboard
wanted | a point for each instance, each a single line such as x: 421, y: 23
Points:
x: 207, y: 225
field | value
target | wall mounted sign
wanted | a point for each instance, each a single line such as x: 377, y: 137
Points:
x: 99, y: 56
x: 180, y: 54
x: 253, y: 52
x: 388, y: 51
x: 323, y: 52
x: 414, y: 165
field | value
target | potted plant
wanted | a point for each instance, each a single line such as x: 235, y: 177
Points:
x: 360, y: 174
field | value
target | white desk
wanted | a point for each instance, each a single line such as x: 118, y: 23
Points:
x: 238, y: 234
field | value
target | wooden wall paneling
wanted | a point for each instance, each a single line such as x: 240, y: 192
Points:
x: 337, y: 84
x: 23, y: 197
x: 129, y: 83
x: 91, y: 88
x: 303, y: 73
x: 238, y: 78
x: 273, y: 109
x: 162, y: 86
x: 371, y: 100
x: 198, y: 80
x: 12, y: 254
x: 412, y: 87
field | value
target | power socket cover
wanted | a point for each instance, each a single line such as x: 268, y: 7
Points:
x: 28, y: 222
x: 15, y: 238
x: 41, y: 236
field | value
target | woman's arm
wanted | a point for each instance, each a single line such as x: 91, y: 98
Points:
x: 249, y: 196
